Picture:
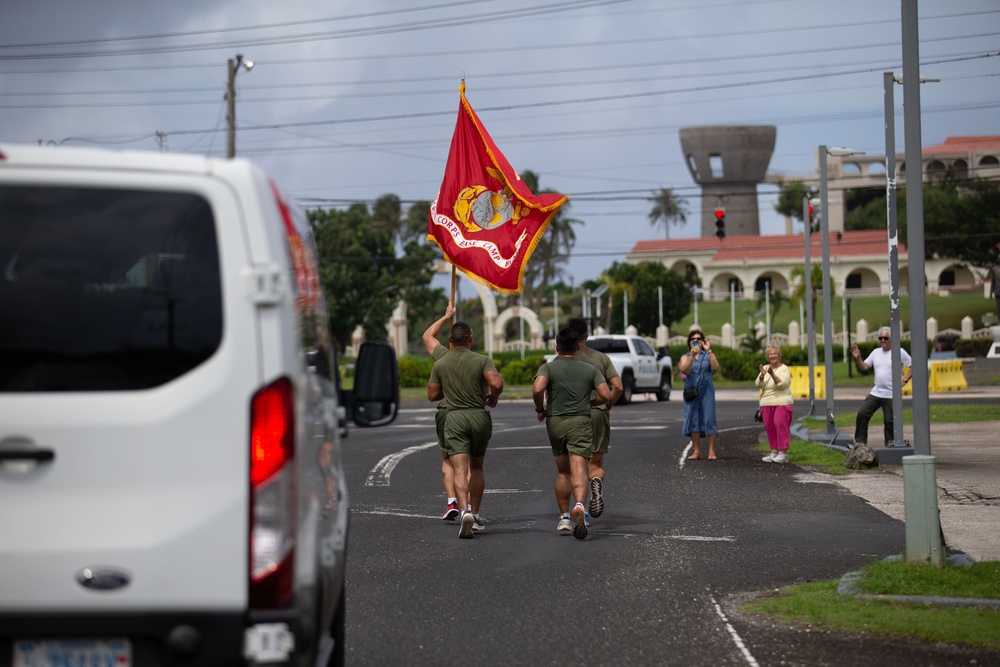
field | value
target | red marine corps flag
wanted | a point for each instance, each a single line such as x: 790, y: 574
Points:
x: 485, y: 219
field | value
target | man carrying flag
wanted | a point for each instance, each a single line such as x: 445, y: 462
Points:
x: 485, y: 219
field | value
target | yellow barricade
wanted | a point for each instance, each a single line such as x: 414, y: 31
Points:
x: 800, y: 381
x: 908, y: 387
x: 946, y: 376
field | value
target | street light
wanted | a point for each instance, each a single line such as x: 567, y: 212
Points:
x: 831, y: 424
x: 923, y: 526
x: 888, y: 78
x: 810, y: 317
x: 232, y: 67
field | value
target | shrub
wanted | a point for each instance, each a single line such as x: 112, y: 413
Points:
x: 973, y: 347
x: 521, y: 372
x: 414, y: 371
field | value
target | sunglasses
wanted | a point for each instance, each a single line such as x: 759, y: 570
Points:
x: 697, y: 340
x: 884, y: 338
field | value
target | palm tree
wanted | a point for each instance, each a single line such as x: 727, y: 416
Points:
x: 616, y: 288
x: 798, y: 276
x: 546, y: 264
x: 776, y: 299
x: 667, y: 208
x: 387, y: 215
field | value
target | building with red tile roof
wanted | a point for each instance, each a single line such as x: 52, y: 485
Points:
x: 859, y: 264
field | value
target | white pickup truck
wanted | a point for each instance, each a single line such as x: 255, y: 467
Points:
x: 637, y: 365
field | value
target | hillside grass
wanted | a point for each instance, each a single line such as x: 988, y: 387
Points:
x: 947, y: 310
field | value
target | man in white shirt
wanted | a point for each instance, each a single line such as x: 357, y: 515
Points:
x: 881, y: 395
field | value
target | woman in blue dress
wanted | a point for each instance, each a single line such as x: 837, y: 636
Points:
x: 698, y: 364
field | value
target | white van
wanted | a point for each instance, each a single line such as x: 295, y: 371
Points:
x: 170, y: 481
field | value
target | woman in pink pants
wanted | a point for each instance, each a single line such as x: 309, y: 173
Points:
x: 775, y: 383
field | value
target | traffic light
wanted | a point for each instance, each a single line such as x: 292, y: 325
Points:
x: 720, y: 222
x: 814, y: 218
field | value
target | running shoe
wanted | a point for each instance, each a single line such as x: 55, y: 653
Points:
x: 452, y: 512
x: 579, y: 522
x: 465, y: 532
x: 770, y: 457
x: 586, y: 516
x: 565, y: 525
x: 781, y: 457
x: 596, y: 497
x: 478, y: 524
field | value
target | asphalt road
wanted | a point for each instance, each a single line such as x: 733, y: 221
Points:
x: 655, y: 583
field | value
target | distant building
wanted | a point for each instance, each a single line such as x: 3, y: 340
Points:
x: 858, y: 259
x: 728, y: 161
x: 859, y: 264
x: 968, y: 157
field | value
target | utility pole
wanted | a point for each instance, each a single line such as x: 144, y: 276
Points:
x: 232, y: 67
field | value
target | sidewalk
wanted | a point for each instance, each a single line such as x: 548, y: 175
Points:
x: 967, y: 462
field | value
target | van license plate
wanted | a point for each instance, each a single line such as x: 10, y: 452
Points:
x: 73, y: 653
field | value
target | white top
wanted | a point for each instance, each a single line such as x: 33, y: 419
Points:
x: 881, y: 361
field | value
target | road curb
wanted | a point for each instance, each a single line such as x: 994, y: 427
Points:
x: 849, y: 586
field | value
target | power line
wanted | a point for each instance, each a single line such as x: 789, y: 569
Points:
x: 445, y: 23
x: 586, y: 100
x: 508, y: 74
x: 343, y: 34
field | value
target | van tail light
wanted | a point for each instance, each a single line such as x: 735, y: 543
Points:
x: 272, y: 496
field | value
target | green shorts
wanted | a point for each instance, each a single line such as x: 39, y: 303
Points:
x: 467, y: 432
x: 439, y: 426
x: 573, y: 434
x: 601, y: 421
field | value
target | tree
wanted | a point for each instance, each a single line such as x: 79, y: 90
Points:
x: 776, y: 299
x: 868, y: 215
x: 799, y: 277
x: 362, y: 277
x: 414, y: 227
x: 387, y: 214
x: 640, y: 282
x: 961, y: 221
x: 790, y: 198
x: 668, y: 208
x: 552, y: 251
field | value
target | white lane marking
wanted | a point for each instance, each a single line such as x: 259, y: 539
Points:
x: 690, y: 445
x: 684, y: 454
x: 698, y: 538
x: 494, y: 449
x: 379, y: 475
x: 407, y: 515
x: 512, y: 491
x: 638, y: 428
x: 732, y: 633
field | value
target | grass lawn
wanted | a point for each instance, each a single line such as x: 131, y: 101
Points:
x: 819, y: 604
x: 947, y: 310
x: 939, y: 412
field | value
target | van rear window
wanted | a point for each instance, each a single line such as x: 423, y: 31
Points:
x: 105, y: 289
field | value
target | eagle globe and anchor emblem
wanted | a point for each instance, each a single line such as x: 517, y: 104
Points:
x: 478, y: 208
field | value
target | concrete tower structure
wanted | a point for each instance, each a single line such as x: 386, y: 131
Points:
x: 728, y: 161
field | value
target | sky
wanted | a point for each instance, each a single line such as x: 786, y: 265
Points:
x: 347, y: 102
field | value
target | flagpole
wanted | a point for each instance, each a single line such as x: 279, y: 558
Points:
x: 450, y: 345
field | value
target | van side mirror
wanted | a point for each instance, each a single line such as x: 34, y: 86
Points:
x: 374, y: 401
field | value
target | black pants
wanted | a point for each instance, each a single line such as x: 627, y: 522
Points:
x: 868, y: 408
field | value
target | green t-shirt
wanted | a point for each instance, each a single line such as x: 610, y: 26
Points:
x: 439, y: 351
x: 571, y: 382
x: 461, y: 376
x: 602, y: 362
